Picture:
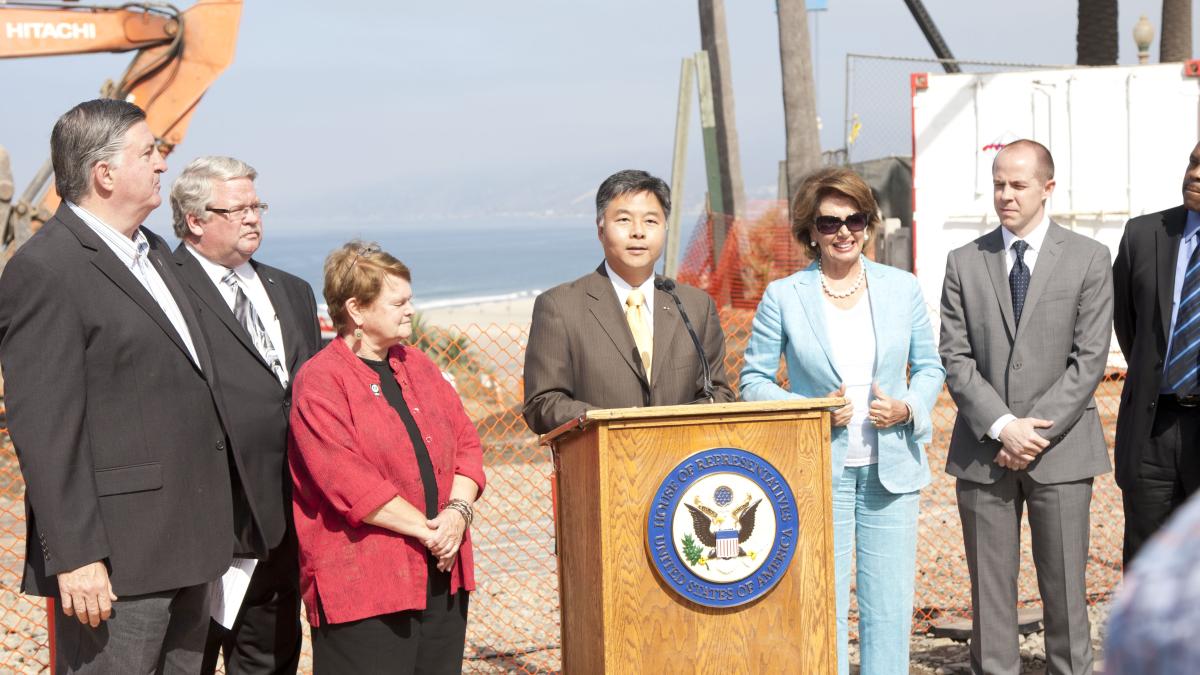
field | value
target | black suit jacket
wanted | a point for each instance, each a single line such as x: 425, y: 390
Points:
x: 1144, y: 285
x: 256, y: 405
x: 116, y: 429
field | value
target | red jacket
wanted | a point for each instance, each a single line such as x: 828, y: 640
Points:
x: 350, y: 454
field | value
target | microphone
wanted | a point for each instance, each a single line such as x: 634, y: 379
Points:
x: 668, y: 286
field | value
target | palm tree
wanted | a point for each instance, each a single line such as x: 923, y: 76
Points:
x: 1096, y: 37
x: 1176, y: 43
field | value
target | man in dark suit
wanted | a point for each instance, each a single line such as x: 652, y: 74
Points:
x: 1025, y: 312
x: 1157, y: 319
x: 262, y: 325
x: 610, y: 339
x: 128, y: 499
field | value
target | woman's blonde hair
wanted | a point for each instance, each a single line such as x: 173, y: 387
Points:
x: 832, y: 180
x: 357, y: 270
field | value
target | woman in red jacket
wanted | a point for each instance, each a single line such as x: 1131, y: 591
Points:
x: 386, y: 466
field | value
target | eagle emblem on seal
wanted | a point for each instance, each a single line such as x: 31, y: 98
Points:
x: 720, y: 528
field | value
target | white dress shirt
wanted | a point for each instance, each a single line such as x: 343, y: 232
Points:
x: 623, y: 289
x: 134, y: 254
x: 1035, y: 239
x: 253, y: 287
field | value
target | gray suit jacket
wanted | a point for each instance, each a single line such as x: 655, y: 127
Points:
x: 581, y: 354
x: 1048, y: 367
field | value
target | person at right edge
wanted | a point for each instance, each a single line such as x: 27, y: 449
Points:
x: 1156, y: 278
x: 1026, y: 314
x: 386, y: 466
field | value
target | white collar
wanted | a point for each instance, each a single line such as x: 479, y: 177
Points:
x: 624, y: 287
x: 1034, y: 238
x: 245, y: 271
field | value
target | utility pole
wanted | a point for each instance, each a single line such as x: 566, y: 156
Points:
x: 799, y: 94
x: 1176, y: 42
x: 713, y: 39
x: 683, y: 117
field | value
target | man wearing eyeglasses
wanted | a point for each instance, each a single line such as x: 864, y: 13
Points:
x: 262, y: 325
x: 616, y: 337
x: 1026, y: 317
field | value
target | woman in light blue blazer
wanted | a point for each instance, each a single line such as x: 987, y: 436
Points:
x: 850, y: 327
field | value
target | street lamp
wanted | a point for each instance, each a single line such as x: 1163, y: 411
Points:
x: 1143, y: 35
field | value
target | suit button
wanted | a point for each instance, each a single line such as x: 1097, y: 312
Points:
x: 287, y: 404
x: 220, y: 446
x: 1151, y: 406
x: 1017, y: 365
x: 1159, y: 364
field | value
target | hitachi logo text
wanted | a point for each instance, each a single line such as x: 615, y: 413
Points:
x: 59, y: 31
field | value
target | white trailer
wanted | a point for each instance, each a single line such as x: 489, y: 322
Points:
x: 1120, y: 137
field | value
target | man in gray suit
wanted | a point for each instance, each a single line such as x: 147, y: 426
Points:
x: 1026, y: 323
x: 613, y: 338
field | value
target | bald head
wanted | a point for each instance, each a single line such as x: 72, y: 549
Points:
x: 1032, y: 151
x: 1022, y: 181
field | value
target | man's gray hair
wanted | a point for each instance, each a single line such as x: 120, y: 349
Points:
x: 632, y: 181
x: 90, y: 133
x: 192, y: 191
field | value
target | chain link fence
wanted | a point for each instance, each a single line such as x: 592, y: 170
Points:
x: 878, y: 101
x: 514, y: 623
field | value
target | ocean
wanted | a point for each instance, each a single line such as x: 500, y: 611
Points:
x: 453, y: 261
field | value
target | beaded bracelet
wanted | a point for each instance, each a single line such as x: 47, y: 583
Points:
x: 463, y: 508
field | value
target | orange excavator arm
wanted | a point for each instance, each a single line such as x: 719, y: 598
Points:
x: 179, y: 55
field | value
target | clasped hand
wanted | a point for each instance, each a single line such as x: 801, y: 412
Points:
x: 446, y: 537
x: 1021, y: 443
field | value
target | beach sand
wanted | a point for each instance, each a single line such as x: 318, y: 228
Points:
x: 504, y: 313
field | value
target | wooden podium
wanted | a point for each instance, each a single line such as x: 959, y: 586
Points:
x: 621, y: 613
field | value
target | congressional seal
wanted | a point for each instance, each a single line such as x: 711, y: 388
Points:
x: 721, y: 529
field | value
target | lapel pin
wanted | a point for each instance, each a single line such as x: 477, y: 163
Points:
x: 375, y: 389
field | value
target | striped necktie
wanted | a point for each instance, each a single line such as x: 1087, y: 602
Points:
x: 244, y: 312
x: 635, y: 315
x: 1182, y: 367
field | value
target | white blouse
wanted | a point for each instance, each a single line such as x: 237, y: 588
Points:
x: 851, y: 335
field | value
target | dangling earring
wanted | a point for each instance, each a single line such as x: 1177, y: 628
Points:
x: 358, y: 333
x: 812, y: 244
x: 866, y: 237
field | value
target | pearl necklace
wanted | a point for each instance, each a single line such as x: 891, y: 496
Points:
x: 844, y: 294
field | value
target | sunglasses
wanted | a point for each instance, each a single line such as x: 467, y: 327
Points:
x: 855, y: 222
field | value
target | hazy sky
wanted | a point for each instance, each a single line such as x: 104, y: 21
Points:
x: 402, y: 111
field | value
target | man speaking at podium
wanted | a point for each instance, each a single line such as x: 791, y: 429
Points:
x: 621, y: 337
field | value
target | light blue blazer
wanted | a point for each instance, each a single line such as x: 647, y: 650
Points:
x: 791, y: 321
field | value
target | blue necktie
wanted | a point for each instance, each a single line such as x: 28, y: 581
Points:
x: 1018, y: 279
x: 1184, y: 363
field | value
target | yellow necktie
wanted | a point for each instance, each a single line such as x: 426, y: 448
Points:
x: 635, y: 316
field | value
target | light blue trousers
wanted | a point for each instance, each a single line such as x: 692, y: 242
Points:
x: 880, y: 528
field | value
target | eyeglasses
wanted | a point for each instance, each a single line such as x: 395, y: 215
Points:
x: 365, y: 250
x: 242, y: 211
x: 855, y: 222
